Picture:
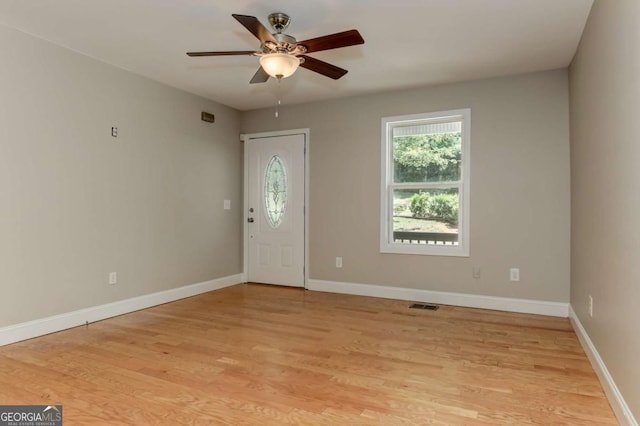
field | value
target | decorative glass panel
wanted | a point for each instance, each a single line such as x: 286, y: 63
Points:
x: 275, y: 191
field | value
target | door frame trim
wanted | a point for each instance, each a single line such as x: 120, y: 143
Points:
x: 245, y: 227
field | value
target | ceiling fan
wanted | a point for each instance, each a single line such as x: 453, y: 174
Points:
x: 280, y: 54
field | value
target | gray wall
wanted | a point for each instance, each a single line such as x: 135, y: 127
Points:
x: 519, y: 186
x: 605, y: 241
x: 77, y: 204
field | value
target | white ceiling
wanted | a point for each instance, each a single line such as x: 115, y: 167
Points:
x: 408, y: 43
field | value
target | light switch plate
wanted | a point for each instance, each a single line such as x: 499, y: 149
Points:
x: 514, y: 274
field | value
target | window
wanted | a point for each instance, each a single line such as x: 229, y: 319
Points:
x: 425, y: 184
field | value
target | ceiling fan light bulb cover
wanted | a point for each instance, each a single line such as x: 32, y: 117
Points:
x: 279, y: 65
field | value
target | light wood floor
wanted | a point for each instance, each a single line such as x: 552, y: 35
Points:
x: 262, y: 355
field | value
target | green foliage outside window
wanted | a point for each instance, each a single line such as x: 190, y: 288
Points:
x: 427, y: 158
x: 439, y: 206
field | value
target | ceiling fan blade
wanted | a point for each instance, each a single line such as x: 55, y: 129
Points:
x: 255, y: 27
x: 333, y: 41
x: 322, y: 67
x: 260, y: 76
x: 231, y: 53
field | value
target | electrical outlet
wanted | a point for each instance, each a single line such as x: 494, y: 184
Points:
x: 514, y: 274
x: 226, y: 205
x: 113, y: 278
x: 338, y: 262
x: 475, y: 272
x: 114, y: 132
x: 590, y: 306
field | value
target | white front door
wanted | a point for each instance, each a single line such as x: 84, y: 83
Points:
x: 275, y: 209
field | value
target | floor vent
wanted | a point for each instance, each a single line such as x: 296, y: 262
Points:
x: 423, y: 306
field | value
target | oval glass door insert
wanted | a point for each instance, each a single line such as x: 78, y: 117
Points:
x: 275, y: 191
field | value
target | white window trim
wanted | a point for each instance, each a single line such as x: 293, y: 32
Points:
x: 387, y: 245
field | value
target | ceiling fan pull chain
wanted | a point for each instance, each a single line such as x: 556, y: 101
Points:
x: 278, y: 96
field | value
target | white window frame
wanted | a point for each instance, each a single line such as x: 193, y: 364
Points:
x: 387, y: 243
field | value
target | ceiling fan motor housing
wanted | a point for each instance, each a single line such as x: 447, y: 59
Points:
x: 286, y: 44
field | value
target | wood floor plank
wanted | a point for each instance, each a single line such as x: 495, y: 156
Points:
x: 265, y: 355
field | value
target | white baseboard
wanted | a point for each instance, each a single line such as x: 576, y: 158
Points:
x: 618, y: 404
x: 541, y: 307
x: 40, y: 327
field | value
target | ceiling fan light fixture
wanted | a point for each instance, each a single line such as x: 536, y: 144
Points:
x: 279, y: 65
